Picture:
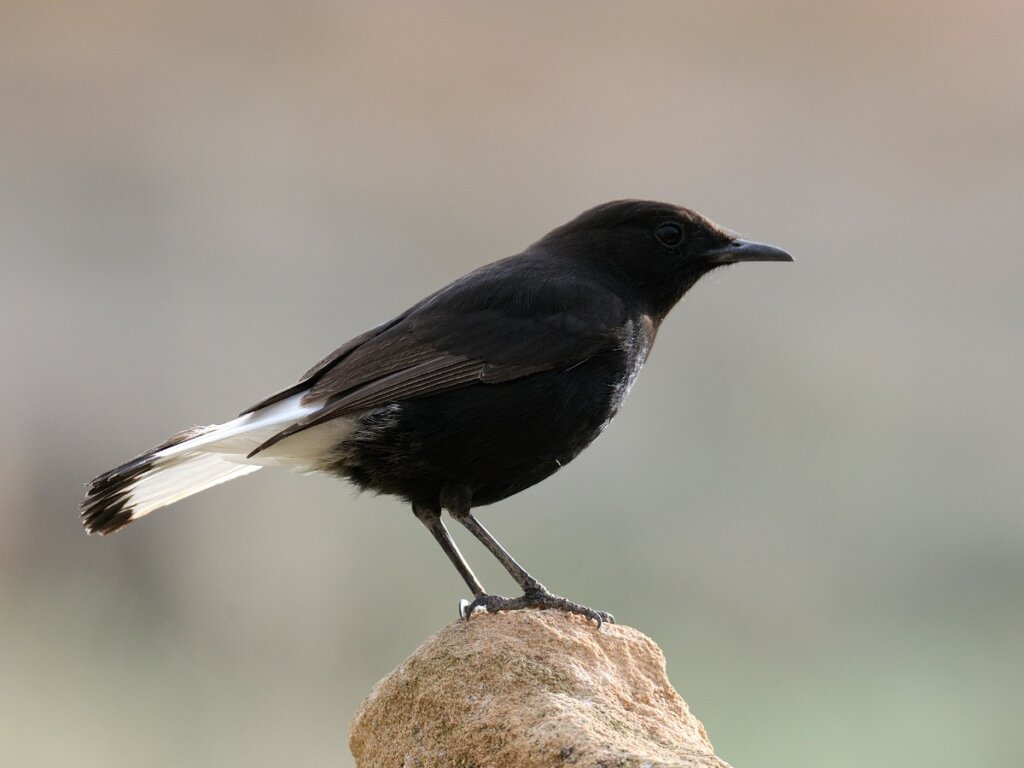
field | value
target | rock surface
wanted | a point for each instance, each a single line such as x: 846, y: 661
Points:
x: 525, y: 690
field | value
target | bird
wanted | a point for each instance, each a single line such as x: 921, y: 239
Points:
x: 479, y: 391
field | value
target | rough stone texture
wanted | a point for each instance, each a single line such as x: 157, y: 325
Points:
x: 529, y: 689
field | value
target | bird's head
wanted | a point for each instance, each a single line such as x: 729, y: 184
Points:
x: 656, y: 250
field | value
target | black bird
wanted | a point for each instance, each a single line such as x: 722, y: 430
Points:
x: 475, y: 393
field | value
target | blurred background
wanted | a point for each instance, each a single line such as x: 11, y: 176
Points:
x: 812, y: 499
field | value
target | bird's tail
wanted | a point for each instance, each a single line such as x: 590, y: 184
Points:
x: 201, y: 458
x: 155, y: 479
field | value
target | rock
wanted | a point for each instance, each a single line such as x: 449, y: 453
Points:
x: 529, y: 689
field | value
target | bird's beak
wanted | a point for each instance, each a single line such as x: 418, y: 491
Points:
x: 745, y: 250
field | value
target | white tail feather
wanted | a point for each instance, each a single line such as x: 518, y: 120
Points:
x: 181, y: 477
x: 210, y: 456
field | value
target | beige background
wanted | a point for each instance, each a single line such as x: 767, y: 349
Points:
x: 812, y: 500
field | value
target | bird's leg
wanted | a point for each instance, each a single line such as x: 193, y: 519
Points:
x: 535, y: 594
x: 431, y: 517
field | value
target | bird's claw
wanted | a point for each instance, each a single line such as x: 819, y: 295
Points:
x: 541, y: 600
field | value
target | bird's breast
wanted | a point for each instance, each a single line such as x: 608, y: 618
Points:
x: 635, y: 340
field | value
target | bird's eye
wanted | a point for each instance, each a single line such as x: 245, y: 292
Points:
x: 669, y: 233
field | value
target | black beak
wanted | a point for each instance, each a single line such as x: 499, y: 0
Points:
x: 745, y: 250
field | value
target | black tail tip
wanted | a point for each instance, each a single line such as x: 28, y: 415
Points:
x: 107, y: 504
x: 103, y: 515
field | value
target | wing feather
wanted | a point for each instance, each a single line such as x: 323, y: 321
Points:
x: 514, y: 318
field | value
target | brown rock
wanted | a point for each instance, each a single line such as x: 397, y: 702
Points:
x: 530, y: 689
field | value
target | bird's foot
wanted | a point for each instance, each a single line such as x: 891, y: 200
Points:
x: 534, y: 598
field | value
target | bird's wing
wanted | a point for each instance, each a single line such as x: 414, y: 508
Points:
x: 503, y: 322
x: 309, y: 377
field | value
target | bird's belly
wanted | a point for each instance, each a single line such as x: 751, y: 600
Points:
x: 494, y: 439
